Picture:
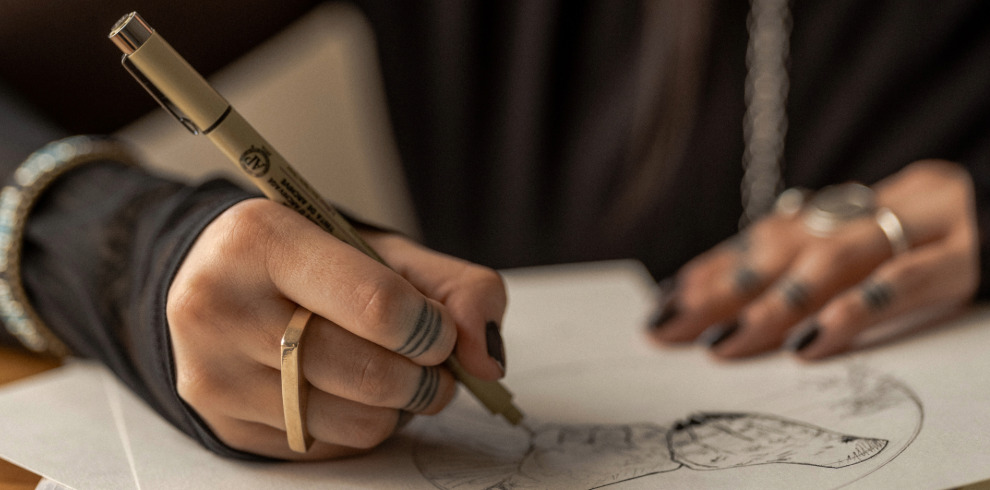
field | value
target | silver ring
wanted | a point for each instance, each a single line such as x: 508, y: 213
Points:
x: 892, y: 228
x: 836, y: 205
x: 790, y: 202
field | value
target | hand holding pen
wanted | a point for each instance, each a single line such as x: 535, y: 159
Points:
x: 263, y: 271
x: 241, y: 281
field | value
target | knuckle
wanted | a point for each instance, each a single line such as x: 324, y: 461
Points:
x: 189, y: 304
x: 932, y: 169
x: 846, y: 312
x: 829, y: 252
x: 258, y: 230
x: 488, y: 279
x: 376, y: 381
x: 183, y: 306
x: 205, y: 277
x: 246, y: 222
x: 195, y: 385
x: 376, y: 301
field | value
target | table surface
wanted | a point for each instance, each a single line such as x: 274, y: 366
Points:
x: 15, y: 365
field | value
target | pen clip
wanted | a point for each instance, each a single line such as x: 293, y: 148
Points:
x: 159, y: 96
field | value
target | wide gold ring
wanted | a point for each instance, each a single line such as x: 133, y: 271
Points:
x: 294, y: 388
x: 892, y: 228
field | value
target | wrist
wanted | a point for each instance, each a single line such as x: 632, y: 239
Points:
x: 17, y: 199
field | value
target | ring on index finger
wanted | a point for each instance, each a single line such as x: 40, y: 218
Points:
x: 294, y: 392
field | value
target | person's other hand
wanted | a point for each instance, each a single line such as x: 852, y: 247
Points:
x: 371, y: 352
x: 778, y: 284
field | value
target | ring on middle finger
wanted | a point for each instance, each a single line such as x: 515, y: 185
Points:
x: 836, y: 205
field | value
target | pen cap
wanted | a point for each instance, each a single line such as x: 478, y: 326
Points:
x: 130, y: 32
x: 167, y: 76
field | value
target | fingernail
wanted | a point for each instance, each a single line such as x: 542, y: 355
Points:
x: 802, y: 337
x: 716, y: 334
x: 667, y: 308
x: 496, y: 348
x: 666, y: 312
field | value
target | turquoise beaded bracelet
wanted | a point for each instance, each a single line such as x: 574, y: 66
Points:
x: 17, y: 199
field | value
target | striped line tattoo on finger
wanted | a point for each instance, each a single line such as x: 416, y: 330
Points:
x: 795, y: 293
x: 426, y: 392
x: 877, y: 295
x: 746, y: 280
x: 424, y: 334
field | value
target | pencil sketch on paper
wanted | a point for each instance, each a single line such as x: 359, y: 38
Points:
x: 575, y: 455
x: 728, y: 440
x: 598, y: 455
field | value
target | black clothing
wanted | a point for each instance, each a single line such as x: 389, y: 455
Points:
x: 513, y: 120
x: 513, y: 131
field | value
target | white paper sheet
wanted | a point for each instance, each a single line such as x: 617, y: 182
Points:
x: 607, y: 409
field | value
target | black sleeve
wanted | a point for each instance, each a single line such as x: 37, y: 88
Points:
x: 100, y: 251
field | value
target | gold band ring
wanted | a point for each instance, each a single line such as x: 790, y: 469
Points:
x: 892, y: 228
x: 294, y: 388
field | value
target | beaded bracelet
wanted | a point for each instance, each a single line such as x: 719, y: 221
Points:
x: 17, y: 199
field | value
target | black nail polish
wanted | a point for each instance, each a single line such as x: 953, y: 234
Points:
x: 496, y: 348
x: 666, y: 312
x: 716, y: 334
x: 802, y: 338
x: 667, y: 308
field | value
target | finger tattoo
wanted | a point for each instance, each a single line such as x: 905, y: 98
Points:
x: 877, y: 294
x: 426, y: 392
x: 746, y: 279
x: 424, y: 334
x: 795, y: 293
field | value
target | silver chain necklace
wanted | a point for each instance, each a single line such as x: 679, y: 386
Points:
x: 765, y: 121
